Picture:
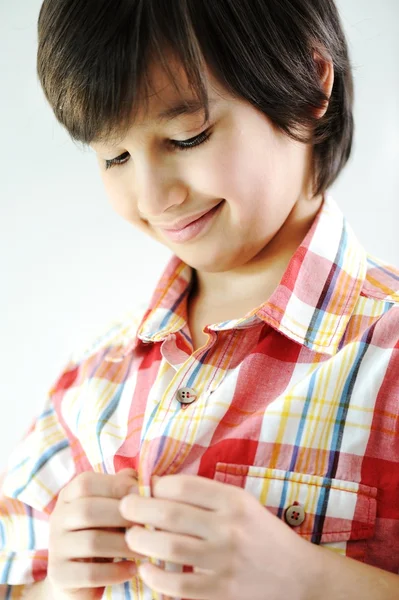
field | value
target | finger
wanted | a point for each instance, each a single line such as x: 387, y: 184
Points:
x: 89, y: 484
x: 88, y: 513
x: 190, y: 586
x: 195, y: 490
x: 179, y: 549
x: 96, y: 543
x: 169, y: 515
x: 90, y: 575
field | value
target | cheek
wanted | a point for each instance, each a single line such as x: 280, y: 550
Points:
x: 243, y: 168
x: 121, y: 200
x: 243, y: 178
x: 124, y: 204
x: 266, y: 178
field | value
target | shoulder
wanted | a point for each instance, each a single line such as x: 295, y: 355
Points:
x: 374, y: 318
x: 377, y: 308
x: 381, y: 280
x: 118, y: 331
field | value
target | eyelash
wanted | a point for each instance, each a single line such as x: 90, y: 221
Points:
x: 198, y: 140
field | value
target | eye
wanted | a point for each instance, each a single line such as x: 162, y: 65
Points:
x: 119, y: 160
x: 191, y: 143
x: 178, y: 145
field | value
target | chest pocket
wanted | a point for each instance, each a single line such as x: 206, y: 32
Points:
x: 337, y: 513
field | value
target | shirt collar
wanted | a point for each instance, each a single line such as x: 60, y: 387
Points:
x: 311, y: 305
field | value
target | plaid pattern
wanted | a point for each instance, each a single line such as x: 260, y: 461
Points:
x: 298, y: 402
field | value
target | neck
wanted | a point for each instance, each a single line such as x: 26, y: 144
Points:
x: 244, y: 282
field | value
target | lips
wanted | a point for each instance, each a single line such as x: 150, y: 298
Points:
x: 188, y: 220
x: 200, y: 225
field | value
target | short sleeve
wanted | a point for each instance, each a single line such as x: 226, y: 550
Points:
x: 45, y: 460
x: 38, y: 468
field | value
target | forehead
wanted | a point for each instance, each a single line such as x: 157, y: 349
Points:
x: 168, y: 101
x: 165, y: 94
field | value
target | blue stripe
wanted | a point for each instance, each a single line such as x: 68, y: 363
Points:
x: 19, y: 465
x: 190, y: 382
x: 387, y: 307
x: 193, y: 376
x: 308, y: 401
x: 319, y: 311
x: 336, y: 442
x: 47, y: 413
x: 6, y: 570
x: 297, y: 442
x: 178, y: 408
x: 186, y: 337
x: 89, y: 376
x: 2, y: 535
x: 150, y: 420
x: 126, y: 587
x: 343, y: 406
x: 31, y: 532
x: 44, y: 459
x: 166, y: 434
x: 23, y: 462
x: 105, y: 416
x: 110, y: 409
x: 390, y: 273
x: 165, y: 321
x: 173, y: 309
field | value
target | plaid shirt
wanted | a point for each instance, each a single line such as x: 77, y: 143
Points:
x: 297, y: 402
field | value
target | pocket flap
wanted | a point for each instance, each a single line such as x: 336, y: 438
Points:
x: 335, y: 509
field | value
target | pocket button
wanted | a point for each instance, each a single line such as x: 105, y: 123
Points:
x: 295, y: 515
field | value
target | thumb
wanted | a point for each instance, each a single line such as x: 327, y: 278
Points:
x: 129, y: 471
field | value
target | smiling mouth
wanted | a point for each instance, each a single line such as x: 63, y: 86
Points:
x: 192, y: 229
x: 190, y: 222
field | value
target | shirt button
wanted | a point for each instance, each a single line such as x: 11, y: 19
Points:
x: 295, y: 515
x: 187, y: 395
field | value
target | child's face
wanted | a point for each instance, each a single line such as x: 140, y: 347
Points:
x: 256, y: 172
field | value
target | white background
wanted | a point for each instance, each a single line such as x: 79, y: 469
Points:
x: 69, y: 264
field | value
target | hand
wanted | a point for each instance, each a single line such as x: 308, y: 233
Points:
x: 237, y: 547
x: 86, y: 528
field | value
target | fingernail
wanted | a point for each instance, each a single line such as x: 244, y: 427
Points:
x: 130, y: 471
x: 134, y: 489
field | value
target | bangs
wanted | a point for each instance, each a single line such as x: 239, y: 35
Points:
x: 94, y: 59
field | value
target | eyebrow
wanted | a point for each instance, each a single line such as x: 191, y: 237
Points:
x: 182, y: 107
x: 185, y: 107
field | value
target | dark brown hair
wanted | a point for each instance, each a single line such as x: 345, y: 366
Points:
x: 93, y: 58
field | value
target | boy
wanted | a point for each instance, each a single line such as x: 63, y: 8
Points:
x: 262, y: 375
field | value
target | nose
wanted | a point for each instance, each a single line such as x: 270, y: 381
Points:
x: 158, y: 189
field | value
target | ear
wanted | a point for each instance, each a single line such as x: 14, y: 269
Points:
x: 326, y: 71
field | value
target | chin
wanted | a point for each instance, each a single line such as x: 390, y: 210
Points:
x: 209, y: 264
